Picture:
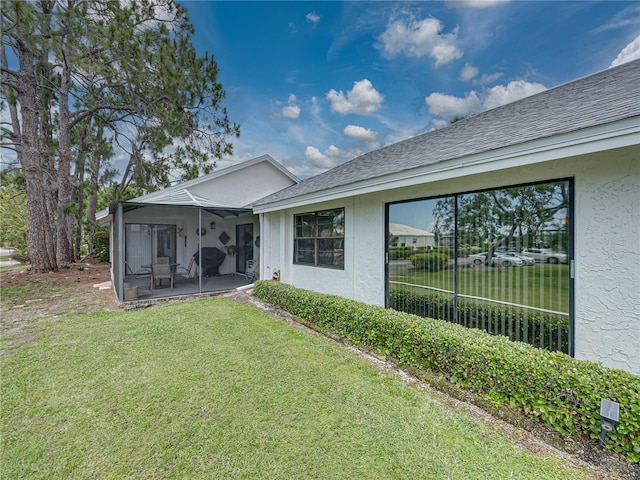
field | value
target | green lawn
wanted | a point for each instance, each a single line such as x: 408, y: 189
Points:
x: 217, y: 389
x: 541, y: 286
x: 19, y: 266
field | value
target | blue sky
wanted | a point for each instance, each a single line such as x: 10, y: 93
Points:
x: 315, y: 84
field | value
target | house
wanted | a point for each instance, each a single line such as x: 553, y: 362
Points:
x: 407, y: 236
x: 558, y: 170
x: 185, y: 223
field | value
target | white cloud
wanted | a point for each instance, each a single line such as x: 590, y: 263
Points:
x: 628, y: 53
x: 318, y: 162
x: 488, y: 78
x: 627, y: 17
x: 440, y: 123
x: 476, y: 3
x: 291, y: 110
x: 449, y: 106
x: 319, y: 159
x: 361, y: 133
x: 500, y: 94
x: 334, y: 151
x: 362, y: 99
x: 313, y: 17
x: 419, y: 38
x: 468, y: 72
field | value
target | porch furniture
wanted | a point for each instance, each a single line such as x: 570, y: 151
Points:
x: 161, y: 271
x: 187, y: 272
x: 143, y: 271
x: 163, y: 260
x: 211, y: 260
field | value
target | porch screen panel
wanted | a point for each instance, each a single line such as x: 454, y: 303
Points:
x: 138, y: 246
x: 509, y: 266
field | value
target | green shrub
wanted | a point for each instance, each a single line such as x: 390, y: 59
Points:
x: 100, y: 244
x: 430, y: 262
x: 542, y: 330
x: 400, y: 253
x: 559, y: 391
x: 463, y: 252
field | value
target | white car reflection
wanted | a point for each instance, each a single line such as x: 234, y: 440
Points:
x: 497, y: 260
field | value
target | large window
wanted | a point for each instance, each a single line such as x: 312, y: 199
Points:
x: 319, y: 239
x: 500, y: 261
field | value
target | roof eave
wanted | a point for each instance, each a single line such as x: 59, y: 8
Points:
x: 621, y: 133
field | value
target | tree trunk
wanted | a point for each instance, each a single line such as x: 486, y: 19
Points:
x: 30, y: 158
x: 92, y: 202
x: 66, y: 190
x: 79, y: 230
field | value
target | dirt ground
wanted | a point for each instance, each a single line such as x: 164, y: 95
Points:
x: 76, y: 290
x: 82, y: 274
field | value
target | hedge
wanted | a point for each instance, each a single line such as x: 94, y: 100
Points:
x: 540, y: 329
x: 551, y: 387
x: 400, y: 253
x: 430, y: 262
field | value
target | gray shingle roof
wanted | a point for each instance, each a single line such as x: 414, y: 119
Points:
x: 601, y: 98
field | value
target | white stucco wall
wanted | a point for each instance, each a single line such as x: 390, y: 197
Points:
x: 243, y: 186
x: 607, y: 245
x: 607, y: 259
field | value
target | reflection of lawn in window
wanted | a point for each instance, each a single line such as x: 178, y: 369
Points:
x: 542, y: 286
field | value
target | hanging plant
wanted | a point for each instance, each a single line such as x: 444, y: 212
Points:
x: 231, y: 249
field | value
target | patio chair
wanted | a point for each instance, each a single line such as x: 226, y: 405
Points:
x: 186, y: 271
x: 163, y: 260
x: 161, y: 271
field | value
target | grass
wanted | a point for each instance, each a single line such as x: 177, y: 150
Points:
x: 216, y: 389
x: 20, y: 294
x: 542, y: 286
x: 18, y: 266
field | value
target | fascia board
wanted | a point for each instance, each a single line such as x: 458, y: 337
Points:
x: 623, y: 133
x: 104, y: 220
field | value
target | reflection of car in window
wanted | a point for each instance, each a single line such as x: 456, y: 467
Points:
x: 545, y: 255
x: 526, y: 260
x: 497, y: 260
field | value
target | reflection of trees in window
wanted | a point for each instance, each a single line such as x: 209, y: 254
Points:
x: 517, y: 217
